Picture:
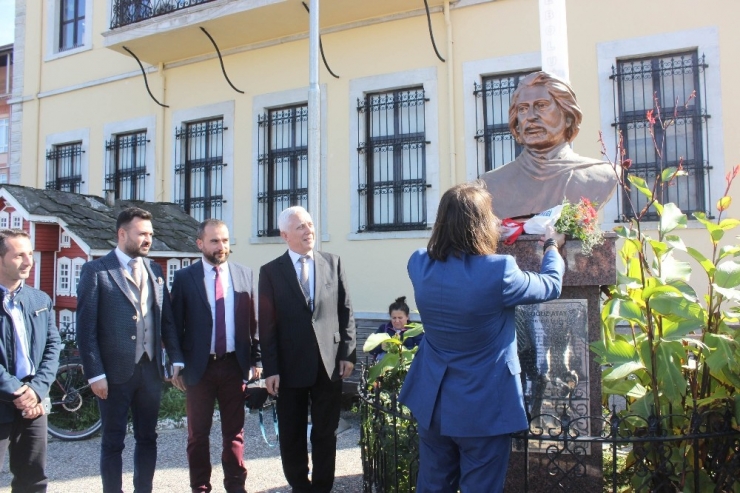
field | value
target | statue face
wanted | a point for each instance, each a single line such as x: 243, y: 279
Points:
x: 541, y: 124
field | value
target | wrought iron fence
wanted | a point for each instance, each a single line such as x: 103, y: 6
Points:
x: 655, y: 455
x: 127, y: 12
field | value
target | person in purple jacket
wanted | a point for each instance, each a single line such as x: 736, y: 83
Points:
x: 399, y: 313
x: 464, y: 387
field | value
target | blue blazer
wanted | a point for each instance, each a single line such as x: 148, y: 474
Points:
x: 45, y: 345
x: 106, y: 324
x: 194, y: 323
x: 467, y: 364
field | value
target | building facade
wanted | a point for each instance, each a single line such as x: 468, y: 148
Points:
x: 6, y: 91
x: 412, y: 102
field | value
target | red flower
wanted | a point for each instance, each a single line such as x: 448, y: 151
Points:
x: 650, y: 117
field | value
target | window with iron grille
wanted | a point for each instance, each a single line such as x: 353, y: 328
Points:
x: 199, y: 170
x: 496, y: 145
x: 126, y: 166
x: 282, y: 164
x: 71, y: 24
x: 392, y: 161
x: 676, y: 83
x: 64, y: 167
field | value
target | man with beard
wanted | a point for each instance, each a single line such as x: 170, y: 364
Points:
x: 123, y: 319
x: 215, y: 315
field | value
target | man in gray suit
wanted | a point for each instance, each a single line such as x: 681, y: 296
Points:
x: 215, y: 315
x: 307, y: 333
x: 123, y: 319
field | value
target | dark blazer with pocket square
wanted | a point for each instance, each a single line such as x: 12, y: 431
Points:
x: 194, y: 322
x: 291, y: 333
x: 106, y: 319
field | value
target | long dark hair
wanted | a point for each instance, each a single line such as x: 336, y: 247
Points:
x: 399, y: 304
x: 465, y: 223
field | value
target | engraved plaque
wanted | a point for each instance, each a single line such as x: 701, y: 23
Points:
x: 553, y: 349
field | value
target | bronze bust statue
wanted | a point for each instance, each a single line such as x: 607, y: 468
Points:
x: 544, y: 118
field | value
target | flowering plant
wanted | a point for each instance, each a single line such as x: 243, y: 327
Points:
x: 580, y: 221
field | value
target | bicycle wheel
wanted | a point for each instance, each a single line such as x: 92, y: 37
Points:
x: 74, y: 408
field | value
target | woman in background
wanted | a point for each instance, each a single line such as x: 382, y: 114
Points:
x: 464, y: 387
x: 399, y: 313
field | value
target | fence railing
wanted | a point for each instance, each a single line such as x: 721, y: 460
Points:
x: 672, y: 453
x: 127, y: 12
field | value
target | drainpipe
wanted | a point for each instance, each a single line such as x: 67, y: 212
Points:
x: 161, y: 129
x: 314, y: 123
x: 451, y: 95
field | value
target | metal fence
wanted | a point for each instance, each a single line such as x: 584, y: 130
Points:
x: 652, y: 454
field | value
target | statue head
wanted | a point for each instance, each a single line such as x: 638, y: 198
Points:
x: 557, y: 124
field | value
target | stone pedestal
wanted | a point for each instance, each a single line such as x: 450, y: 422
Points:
x: 581, y: 289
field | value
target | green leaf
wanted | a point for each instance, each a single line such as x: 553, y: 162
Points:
x: 625, y: 232
x: 390, y: 360
x: 643, y: 406
x: 728, y: 250
x: 626, y: 387
x: 705, y: 263
x: 729, y: 223
x: 715, y: 231
x: 670, y: 378
x: 664, y: 289
x: 413, y: 332
x: 676, y: 330
x: 374, y: 340
x: 659, y: 248
x: 721, y: 350
x: 624, y: 310
x: 675, y: 241
x: 623, y: 370
x: 670, y: 173
x: 675, y: 306
x: 727, y: 275
x: 671, y: 218
x: 673, y: 268
x: 684, y: 288
x: 620, y: 351
x: 731, y: 294
x: 640, y: 185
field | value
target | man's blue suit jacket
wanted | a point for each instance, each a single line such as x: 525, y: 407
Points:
x: 192, y: 314
x: 106, y: 320
x: 44, y: 340
x: 467, y: 364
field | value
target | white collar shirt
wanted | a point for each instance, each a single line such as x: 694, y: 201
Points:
x: 296, y: 258
x: 228, y: 289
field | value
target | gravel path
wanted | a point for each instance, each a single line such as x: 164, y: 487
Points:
x: 73, y: 466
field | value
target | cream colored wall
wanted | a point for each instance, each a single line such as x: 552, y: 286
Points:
x: 376, y: 268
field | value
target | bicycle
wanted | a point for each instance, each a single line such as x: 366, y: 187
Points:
x: 74, y: 409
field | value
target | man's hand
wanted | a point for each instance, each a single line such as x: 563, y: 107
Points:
x: 100, y: 388
x: 34, y: 412
x: 345, y: 369
x: 177, y: 379
x: 272, y: 384
x: 26, y: 399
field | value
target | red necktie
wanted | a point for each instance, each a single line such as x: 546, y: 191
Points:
x: 220, y: 316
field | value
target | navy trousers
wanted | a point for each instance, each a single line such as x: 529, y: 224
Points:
x: 470, y: 464
x: 25, y: 439
x: 142, y: 394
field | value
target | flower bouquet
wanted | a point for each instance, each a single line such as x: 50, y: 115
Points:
x: 580, y: 221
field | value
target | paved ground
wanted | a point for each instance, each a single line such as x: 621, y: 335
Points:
x: 73, y: 466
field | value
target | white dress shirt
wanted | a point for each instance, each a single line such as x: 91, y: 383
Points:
x: 228, y: 288
x: 296, y: 258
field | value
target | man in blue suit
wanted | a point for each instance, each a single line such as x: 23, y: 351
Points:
x: 29, y: 354
x: 123, y: 319
x: 215, y: 314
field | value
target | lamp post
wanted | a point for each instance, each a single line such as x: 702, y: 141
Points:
x: 314, y: 122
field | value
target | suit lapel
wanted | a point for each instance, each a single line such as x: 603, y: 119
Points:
x: 118, y: 274
x: 156, y: 284
x: 238, y: 287
x: 319, y: 276
x: 198, y: 273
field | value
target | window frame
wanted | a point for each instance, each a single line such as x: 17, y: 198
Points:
x: 173, y: 265
x: 705, y: 41
x: 74, y: 275
x: 124, y: 149
x: 80, y: 135
x: 4, y: 135
x: 15, y: 217
x: 53, y: 25
x: 61, y: 290
x: 225, y: 111
x: 425, y: 78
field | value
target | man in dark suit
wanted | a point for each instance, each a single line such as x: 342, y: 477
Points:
x: 308, y: 341
x: 123, y: 319
x: 29, y: 357
x: 214, y: 307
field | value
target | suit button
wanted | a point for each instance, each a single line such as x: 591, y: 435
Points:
x: 135, y: 318
x: 133, y: 338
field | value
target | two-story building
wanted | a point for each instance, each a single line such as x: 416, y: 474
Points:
x: 414, y: 98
